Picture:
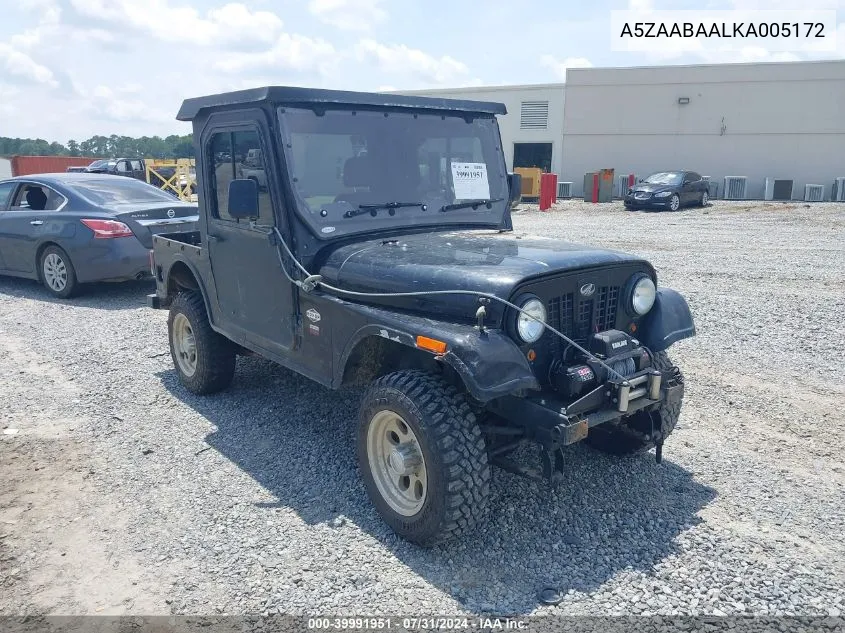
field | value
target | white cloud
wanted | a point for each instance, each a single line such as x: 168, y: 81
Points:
x: 20, y: 65
x: 349, y: 15
x: 231, y: 24
x: 398, y: 59
x: 559, y: 66
x: 294, y: 52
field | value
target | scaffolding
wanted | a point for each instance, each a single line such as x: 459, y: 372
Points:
x: 178, y: 176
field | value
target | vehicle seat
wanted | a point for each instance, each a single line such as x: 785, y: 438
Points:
x: 359, y: 174
x: 36, y: 198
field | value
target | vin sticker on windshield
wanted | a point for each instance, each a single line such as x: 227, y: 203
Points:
x: 470, y: 180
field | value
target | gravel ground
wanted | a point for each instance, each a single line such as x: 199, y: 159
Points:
x: 120, y: 493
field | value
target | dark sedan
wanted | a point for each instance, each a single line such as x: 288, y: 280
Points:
x: 669, y: 190
x: 68, y: 229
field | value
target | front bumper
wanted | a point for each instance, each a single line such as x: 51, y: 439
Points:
x: 649, y: 203
x: 554, y: 423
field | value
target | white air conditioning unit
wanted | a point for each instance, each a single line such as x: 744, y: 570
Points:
x: 564, y: 190
x: 712, y: 187
x: 735, y: 187
x: 813, y: 193
x: 778, y: 189
x: 622, y: 185
x: 837, y: 193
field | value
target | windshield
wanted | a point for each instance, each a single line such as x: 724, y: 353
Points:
x: 118, y: 190
x: 100, y: 164
x: 362, y: 171
x: 665, y: 178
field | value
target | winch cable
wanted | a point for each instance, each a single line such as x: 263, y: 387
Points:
x: 311, y: 281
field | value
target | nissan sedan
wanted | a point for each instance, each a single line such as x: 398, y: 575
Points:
x: 71, y: 228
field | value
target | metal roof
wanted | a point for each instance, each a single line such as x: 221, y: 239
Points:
x: 307, y: 97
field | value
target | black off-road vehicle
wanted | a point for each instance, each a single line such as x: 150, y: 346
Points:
x: 378, y: 250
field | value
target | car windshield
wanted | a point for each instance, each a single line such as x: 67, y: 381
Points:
x: 356, y: 171
x: 99, y: 164
x: 665, y: 178
x: 119, y: 190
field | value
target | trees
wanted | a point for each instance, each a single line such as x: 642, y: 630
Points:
x: 114, y: 146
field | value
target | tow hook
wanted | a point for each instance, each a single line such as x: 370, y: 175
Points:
x: 481, y: 313
x: 658, y: 440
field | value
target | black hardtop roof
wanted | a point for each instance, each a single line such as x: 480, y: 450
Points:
x: 294, y: 96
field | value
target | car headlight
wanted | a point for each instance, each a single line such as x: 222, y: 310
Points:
x: 642, y: 294
x: 528, y: 329
x: 663, y: 194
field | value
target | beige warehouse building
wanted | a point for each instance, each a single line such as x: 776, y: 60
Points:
x: 758, y: 121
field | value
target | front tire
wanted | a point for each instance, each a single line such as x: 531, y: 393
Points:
x: 422, y: 457
x: 57, y: 273
x: 204, y: 359
x: 675, y: 202
x: 633, y: 435
x: 705, y: 199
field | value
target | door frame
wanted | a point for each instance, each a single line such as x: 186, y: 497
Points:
x: 249, y: 120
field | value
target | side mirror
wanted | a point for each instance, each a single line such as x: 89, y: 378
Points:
x: 243, y: 198
x: 514, y: 189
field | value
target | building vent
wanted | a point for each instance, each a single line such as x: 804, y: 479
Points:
x: 534, y: 115
x: 712, y: 187
x: 813, y: 193
x: 778, y: 189
x: 564, y: 190
x: 735, y: 187
x: 622, y: 185
x: 837, y: 194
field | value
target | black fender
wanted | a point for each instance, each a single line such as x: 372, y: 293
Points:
x: 489, y: 363
x: 194, y: 270
x: 668, y: 321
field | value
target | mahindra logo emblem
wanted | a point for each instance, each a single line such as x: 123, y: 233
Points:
x: 171, y: 213
x: 588, y: 290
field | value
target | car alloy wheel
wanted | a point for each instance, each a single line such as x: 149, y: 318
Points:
x: 705, y: 198
x: 55, y: 272
x: 675, y: 202
x: 397, y: 463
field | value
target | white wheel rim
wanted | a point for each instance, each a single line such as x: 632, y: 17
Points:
x: 55, y: 272
x: 675, y: 203
x: 396, y: 462
x: 184, y: 345
x: 705, y: 198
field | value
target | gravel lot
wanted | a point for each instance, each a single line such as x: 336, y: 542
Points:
x: 120, y: 493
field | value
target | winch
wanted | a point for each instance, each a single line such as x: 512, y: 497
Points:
x: 621, y: 352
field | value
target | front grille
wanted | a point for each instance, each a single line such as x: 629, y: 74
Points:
x: 578, y: 320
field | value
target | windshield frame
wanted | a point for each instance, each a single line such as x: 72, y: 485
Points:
x: 325, y: 226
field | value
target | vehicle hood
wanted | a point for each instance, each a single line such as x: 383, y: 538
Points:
x: 484, y: 261
x: 649, y: 188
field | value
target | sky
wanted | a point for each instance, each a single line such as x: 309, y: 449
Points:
x: 70, y: 69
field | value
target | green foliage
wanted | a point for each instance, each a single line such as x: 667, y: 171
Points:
x: 113, y: 146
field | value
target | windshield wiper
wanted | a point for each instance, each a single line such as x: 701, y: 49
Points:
x: 371, y: 208
x: 470, y: 203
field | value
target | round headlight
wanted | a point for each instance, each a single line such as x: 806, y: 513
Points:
x: 530, y: 330
x: 643, y: 295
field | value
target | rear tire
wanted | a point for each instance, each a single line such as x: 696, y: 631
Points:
x: 57, y: 273
x: 204, y: 359
x: 629, y: 437
x: 422, y: 457
x: 705, y: 199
